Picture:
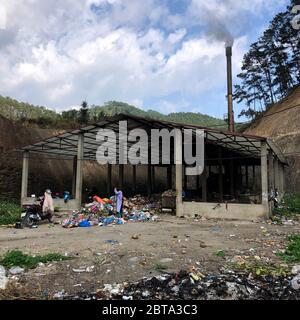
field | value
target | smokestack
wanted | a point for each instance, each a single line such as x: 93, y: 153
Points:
x: 229, y: 89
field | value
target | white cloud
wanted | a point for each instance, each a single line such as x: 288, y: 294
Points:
x: 58, y: 53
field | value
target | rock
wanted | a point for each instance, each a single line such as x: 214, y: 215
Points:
x: 295, y: 283
x: 296, y: 269
x: 3, y: 278
x: 16, y: 270
x: 133, y: 259
x: 135, y: 237
x: 202, y: 245
x: 165, y: 260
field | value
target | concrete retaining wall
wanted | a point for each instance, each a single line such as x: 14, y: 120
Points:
x: 233, y: 211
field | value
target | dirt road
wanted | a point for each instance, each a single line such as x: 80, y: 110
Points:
x: 171, y: 242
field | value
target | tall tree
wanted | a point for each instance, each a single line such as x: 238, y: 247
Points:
x: 272, y: 65
x: 84, y: 113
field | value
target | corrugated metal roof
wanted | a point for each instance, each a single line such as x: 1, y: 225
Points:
x: 66, y: 144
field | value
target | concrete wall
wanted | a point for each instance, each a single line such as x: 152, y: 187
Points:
x: 233, y: 211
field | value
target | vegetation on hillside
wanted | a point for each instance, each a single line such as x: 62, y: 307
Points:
x: 43, y: 117
x: 271, y: 68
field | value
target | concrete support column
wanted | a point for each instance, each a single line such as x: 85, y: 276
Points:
x: 121, y: 176
x: 264, y: 174
x: 108, y: 179
x: 74, y: 177
x: 25, y: 170
x: 271, y: 171
x: 134, y: 178
x: 178, y: 170
x: 277, y: 175
x: 79, y: 170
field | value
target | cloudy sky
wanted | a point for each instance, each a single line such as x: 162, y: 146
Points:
x: 167, y: 55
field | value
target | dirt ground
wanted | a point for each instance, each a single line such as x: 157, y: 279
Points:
x: 170, y: 241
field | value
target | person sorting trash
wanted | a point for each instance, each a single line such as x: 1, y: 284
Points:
x: 119, y: 201
x: 48, y: 208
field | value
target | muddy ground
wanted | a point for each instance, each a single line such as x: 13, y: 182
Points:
x: 173, y: 242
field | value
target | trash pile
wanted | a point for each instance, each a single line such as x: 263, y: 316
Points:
x: 101, y: 212
x: 169, y: 193
x: 186, y: 285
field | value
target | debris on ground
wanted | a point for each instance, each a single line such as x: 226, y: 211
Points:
x: 185, y: 285
x: 101, y: 212
x: 16, y: 270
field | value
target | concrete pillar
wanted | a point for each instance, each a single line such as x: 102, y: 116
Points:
x: 271, y: 170
x: 121, y: 176
x: 74, y: 177
x: 79, y: 170
x: 264, y: 174
x: 25, y: 170
x: 277, y: 177
x: 108, y: 190
x: 178, y: 170
x: 134, y: 178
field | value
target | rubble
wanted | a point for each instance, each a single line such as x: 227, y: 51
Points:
x: 185, y: 285
x: 295, y: 283
x: 296, y: 269
x: 16, y: 270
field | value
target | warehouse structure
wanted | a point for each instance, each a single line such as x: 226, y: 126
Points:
x: 240, y: 173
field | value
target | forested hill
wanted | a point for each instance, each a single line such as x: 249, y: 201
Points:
x: 26, y: 113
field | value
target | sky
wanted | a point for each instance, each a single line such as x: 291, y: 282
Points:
x: 165, y: 55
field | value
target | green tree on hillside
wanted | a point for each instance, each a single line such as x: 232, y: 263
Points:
x: 84, y: 113
x: 271, y: 68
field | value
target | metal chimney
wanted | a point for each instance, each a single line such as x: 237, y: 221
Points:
x: 229, y: 89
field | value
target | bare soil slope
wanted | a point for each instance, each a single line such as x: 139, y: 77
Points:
x: 282, y: 123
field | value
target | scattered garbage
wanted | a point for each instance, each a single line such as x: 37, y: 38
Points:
x: 296, y: 269
x: 16, y: 270
x: 295, y: 283
x: 3, y: 278
x: 101, y: 212
x: 186, y: 285
x: 215, y: 229
x: 59, y: 294
x: 111, y: 241
x: 165, y: 260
